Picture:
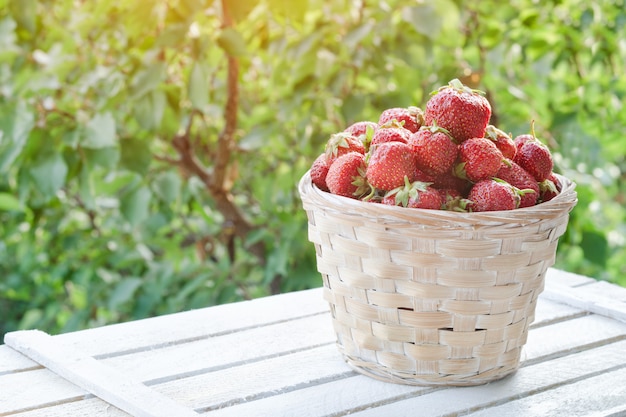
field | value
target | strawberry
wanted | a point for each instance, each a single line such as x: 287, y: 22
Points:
x: 389, y: 163
x: 319, y: 170
x: 346, y: 175
x: 535, y: 157
x: 493, y: 195
x: 549, y: 188
x: 414, y: 195
x: 464, y: 112
x: 390, y: 132
x: 479, y: 159
x: 453, y: 200
x: 424, y: 177
x: 450, y: 181
x: 412, y: 118
x: 435, y: 150
x: 520, y: 140
x: 503, y: 141
x: 518, y: 177
x: 342, y: 143
x: 360, y: 128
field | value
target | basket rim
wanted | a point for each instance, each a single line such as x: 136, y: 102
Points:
x: 560, y: 205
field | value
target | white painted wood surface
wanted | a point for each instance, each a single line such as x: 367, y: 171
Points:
x: 94, y: 376
x: 276, y: 356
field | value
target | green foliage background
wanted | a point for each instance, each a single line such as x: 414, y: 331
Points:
x: 99, y: 226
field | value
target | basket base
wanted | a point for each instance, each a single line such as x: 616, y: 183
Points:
x: 380, y: 373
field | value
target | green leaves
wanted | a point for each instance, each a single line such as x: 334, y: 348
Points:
x: 167, y: 186
x: 231, y: 41
x: 433, y: 19
x: 136, y: 155
x: 48, y: 174
x: 100, y: 132
x: 16, y: 122
x: 198, y: 89
x: 135, y: 203
x: 8, y: 202
x: 147, y: 79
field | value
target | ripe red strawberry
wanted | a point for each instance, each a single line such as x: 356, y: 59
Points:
x: 435, y: 150
x: 535, y: 157
x: 391, y: 132
x: 503, y: 141
x: 360, y: 128
x: 449, y: 181
x: 389, y: 163
x: 518, y: 177
x: 492, y: 195
x: 346, y: 175
x: 520, y: 140
x: 319, y: 170
x: 414, y: 195
x: 464, y: 112
x: 342, y: 143
x: 424, y: 177
x: 412, y: 118
x: 479, y: 159
x: 549, y: 188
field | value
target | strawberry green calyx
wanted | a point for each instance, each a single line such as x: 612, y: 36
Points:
x: 392, y: 123
x: 366, y: 139
x: 459, y: 171
x: 418, y: 114
x: 410, y: 190
x: 363, y: 188
x: 341, y: 143
x: 434, y: 128
x: 519, y: 193
x: 548, y: 185
x: 457, y: 85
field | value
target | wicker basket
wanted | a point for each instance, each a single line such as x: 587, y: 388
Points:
x: 429, y: 297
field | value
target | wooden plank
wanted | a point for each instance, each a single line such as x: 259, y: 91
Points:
x: 365, y: 397
x: 173, y: 362
x: 605, y: 289
x: 589, y: 301
x: 571, y: 335
x: 565, y: 278
x: 48, y: 388
x: 91, y: 407
x: 282, y: 339
x: 603, y: 395
x: 259, y: 379
x: 279, y: 378
x: 12, y: 361
x: 338, y: 397
x: 196, y: 324
x: 105, y: 382
x: 548, y: 312
x: 526, y: 382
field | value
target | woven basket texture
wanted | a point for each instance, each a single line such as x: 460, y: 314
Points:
x: 432, y: 297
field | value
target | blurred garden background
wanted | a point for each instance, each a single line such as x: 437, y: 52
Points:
x: 150, y: 149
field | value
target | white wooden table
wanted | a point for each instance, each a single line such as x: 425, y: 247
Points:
x: 276, y: 356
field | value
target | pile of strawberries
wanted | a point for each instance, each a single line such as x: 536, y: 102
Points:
x: 446, y: 157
